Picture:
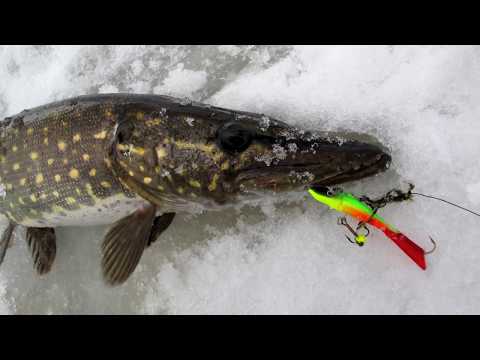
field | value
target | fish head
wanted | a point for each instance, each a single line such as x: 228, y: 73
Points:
x: 220, y: 157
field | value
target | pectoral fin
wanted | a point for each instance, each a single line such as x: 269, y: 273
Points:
x: 160, y: 224
x: 43, y: 247
x: 5, y: 240
x: 124, y: 243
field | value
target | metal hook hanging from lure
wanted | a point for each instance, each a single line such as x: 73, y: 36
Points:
x: 360, y: 239
x: 349, y: 204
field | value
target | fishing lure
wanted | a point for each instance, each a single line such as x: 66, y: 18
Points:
x: 347, y: 203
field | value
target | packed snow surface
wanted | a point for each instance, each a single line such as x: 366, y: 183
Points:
x: 283, y: 256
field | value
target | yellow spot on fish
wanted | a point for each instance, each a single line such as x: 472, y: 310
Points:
x: 160, y: 187
x: 50, y: 161
x: 161, y: 153
x: 100, y: 135
x: 20, y: 200
x: 23, y: 181
x: 33, y: 198
x: 45, y: 141
x: 74, y: 174
x: 39, y: 178
x: 153, y: 122
x: 181, y: 190
x: 34, y: 155
x: 86, y: 157
x: 55, y: 193
x: 16, y: 166
x: 45, y: 129
x: 29, y: 131
x: 140, y: 115
x: 225, y: 165
x: 76, y: 138
x: 65, y: 161
x: 57, y: 209
x: 61, y: 145
x: 211, y: 149
x: 106, y: 184
x: 92, y: 172
x: 88, y: 186
x: 70, y: 200
x: 147, y: 180
x: 138, y: 150
x: 43, y: 196
x: 9, y: 186
x: 77, y: 190
x: 131, y: 173
x: 14, y: 148
x: 12, y: 205
x: 157, y: 169
x: 122, y: 147
x: 142, y: 169
x: 213, y: 185
x: 108, y: 162
x: 57, y: 178
x: 195, y: 183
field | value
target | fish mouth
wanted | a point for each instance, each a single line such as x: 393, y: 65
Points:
x: 326, y: 165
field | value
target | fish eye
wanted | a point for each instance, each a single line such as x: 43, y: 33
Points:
x: 234, y: 137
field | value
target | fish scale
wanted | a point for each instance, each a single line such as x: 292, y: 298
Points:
x: 59, y: 168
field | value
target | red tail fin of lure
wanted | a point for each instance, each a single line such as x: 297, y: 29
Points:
x: 415, y: 252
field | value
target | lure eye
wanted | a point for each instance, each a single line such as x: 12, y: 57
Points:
x: 233, y: 137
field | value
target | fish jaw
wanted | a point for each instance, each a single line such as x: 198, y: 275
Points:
x: 318, y: 162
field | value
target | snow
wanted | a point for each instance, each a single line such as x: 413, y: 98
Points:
x: 182, y: 82
x: 286, y: 255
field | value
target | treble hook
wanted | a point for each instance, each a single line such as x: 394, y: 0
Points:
x: 359, y: 239
x: 434, y: 246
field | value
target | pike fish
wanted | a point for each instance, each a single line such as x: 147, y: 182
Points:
x: 134, y: 161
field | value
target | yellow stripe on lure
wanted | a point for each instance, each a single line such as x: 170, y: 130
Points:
x: 349, y: 204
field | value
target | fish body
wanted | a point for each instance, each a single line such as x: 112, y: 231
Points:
x: 135, y: 160
x: 54, y: 168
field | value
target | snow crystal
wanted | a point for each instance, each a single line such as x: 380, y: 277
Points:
x: 189, y: 120
x: 292, y: 147
x: 264, y: 123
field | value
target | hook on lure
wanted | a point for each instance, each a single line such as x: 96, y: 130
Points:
x: 360, y: 239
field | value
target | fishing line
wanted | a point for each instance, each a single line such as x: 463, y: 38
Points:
x: 448, y: 202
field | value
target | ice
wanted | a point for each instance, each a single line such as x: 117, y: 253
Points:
x: 285, y: 255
